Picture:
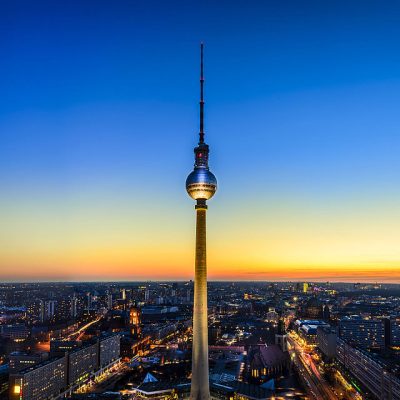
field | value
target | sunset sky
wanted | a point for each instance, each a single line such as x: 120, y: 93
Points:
x: 99, y: 117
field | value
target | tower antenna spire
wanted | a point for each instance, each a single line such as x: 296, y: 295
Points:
x: 201, y: 134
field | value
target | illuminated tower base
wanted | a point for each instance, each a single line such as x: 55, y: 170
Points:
x: 200, y: 384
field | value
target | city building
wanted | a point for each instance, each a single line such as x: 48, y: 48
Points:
x: 74, y: 307
x: 16, y: 332
x: 146, y: 295
x: 272, y: 315
x: 326, y: 341
x: 374, y: 377
x: 43, y: 381
x: 47, y: 309
x: 201, y: 185
x: 267, y: 361
x: 63, y: 374
x: 109, y: 301
x: 4, y: 380
x: 82, y: 362
x: 60, y: 347
x: 63, y: 309
x: 109, y: 349
x: 307, y: 329
x: 313, y: 309
x: 89, y: 302
x: 363, y: 333
x: 135, y: 321
x: 21, y: 360
x: 392, y: 332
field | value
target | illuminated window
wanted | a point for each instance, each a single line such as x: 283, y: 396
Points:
x: 17, y: 389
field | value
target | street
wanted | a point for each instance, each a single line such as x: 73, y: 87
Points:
x: 309, y: 368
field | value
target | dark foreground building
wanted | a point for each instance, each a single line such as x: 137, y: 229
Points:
x: 57, y: 376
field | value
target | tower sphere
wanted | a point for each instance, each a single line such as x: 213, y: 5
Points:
x: 201, y: 184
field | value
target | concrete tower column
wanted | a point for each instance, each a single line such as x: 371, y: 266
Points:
x: 200, y: 386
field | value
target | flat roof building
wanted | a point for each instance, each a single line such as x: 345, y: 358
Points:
x: 369, y: 371
x: 363, y: 333
x: 326, y: 341
x: 40, y: 382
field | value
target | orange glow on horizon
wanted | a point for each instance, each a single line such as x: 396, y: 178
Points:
x: 121, y: 241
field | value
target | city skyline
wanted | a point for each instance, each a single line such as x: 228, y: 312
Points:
x: 97, y: 128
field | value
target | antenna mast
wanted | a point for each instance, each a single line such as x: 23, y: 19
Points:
x: 201, y: 140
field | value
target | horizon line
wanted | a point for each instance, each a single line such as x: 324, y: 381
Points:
x: 192, y: 280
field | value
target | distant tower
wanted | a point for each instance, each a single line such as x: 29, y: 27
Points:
x: 280, y: 336
x: 89, y: 302
x: 135, y: 321
x: 109, y: 301
x: 42, y: 311
x: 201, y: 185
x: 74, y: 307
x: 50, y: 308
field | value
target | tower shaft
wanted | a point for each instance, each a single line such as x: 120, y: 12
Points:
x: 200, y: 383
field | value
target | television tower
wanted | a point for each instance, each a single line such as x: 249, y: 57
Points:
x: 201, y: 185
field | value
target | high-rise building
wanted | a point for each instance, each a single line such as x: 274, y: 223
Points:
x: 89, y: 302
x: 201, y: 185
x: 33, y: 311
x: 51, y: 308
x: 63, y: 309
x: 16, y: 332
x: 392, y: 331
x: 370, y: 372
x: 43, y: 381
x: 82, y: 362
x: 109, y: 301
x: 305, y: 287
x: 109, y: 349
x: 47, y: 310
x: 362, y: 333
x: 72, y: 364
x: 74, y: 307
x: 147, y: 295
x: 326, y: 341
x: 42, y: 315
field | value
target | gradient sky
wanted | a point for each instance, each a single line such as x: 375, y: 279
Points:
x: 99, y: 117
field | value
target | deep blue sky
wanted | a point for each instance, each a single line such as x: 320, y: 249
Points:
x: 99, y: 100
